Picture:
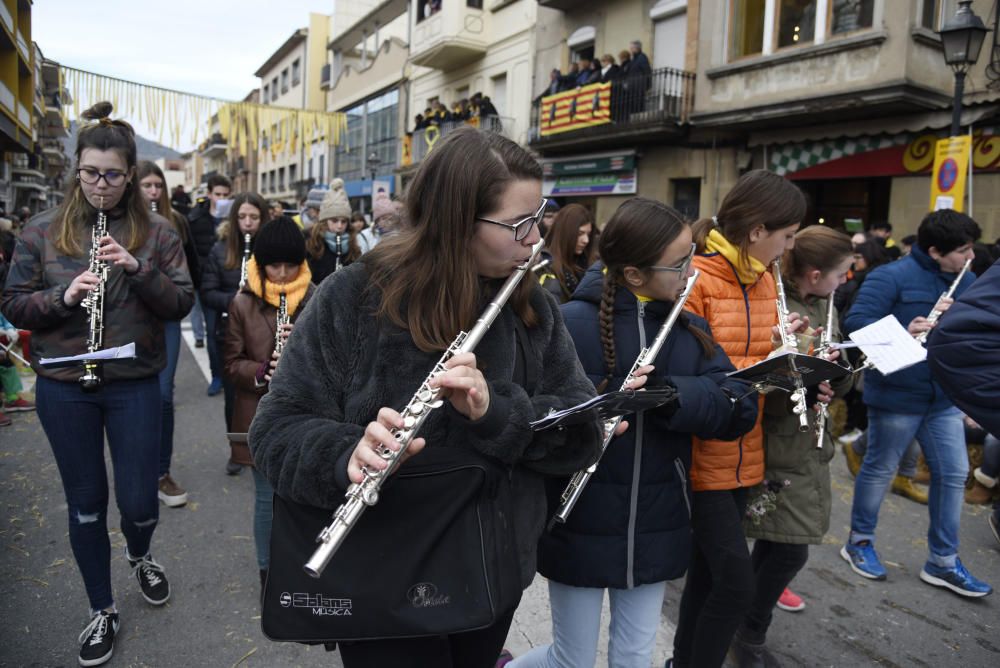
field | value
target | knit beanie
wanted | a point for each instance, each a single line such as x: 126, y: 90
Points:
x: 279, y: 240
x: 382, y: 206
x: 335, y: 203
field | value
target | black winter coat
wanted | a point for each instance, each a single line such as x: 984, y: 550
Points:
x: 218, y: 284
x: 964, y: 351
x: 203, y: 230
x: 631, y: 525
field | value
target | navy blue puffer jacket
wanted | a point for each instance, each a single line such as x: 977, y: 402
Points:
x: 631, y: 524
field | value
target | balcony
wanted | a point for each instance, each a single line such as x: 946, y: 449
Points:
x: 324, y: 77
x: 422, y: 141
x: 653, y: 107
x: 215, y: 147
x: 454, y: 36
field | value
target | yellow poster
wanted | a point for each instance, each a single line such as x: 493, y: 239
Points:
x: 951, y: 168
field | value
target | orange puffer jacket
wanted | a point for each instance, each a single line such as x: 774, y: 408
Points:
x: 741, y: 318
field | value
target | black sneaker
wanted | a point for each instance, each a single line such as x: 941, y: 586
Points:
x: 152, y: 581
x: 98, y: 639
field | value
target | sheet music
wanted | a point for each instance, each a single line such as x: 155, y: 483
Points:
x: 118, y: 353
x: 888, y: 345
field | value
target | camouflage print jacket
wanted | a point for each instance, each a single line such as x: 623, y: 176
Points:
x: 134, y: 306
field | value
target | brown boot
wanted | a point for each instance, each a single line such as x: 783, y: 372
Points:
x: 979, y: 495
x: 904, y: 487
x: 853, y: 459
x: 923, y: 475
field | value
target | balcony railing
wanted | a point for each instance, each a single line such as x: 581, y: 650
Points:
x: 638, y: 103
x: 422, y: 141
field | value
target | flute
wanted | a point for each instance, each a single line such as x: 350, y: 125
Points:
x: 935, y: 313
x: 364, y: 494
x: 791, y: 344
x: 646, y: 356
x: 825, y: 346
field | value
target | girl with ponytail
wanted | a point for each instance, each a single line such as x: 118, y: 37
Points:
x: 736, y: 294
x: 629, y: 532
x: 147, y: 284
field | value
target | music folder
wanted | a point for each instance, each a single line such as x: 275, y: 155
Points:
x: 606, y: 406
x: 779, y: 372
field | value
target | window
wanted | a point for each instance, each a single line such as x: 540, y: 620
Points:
x: 746, y: 28
x: 936, y: 12
x: 292, y: 175
x: 274, y: 89
x: 669, y: 34
x: 687, y: 196
x: 310, y: 169
x: 581, y: 43
x: 851, y: 15
x: 284, y: 81
x: 281, y: 178
x: 499, y: 98
x: 267, y: 92
x: 796, y: 22
x: 295, y: 72
x: 322, y: 171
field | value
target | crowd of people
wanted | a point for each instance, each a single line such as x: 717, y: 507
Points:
x: 478, y: 107
x: 321, y: 329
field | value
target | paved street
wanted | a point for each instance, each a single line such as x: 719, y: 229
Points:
x: 213, y: 616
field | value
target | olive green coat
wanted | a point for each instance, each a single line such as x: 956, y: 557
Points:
x: 802, y: 509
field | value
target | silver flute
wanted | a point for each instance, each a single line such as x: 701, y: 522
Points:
x: 935, y: 313
x: 281, y: 320
x: 246, y: 259
x: 364, y: 494
x: 574, y: 489
x: 91, y: 381
x: 825, y: 346
x: 791, y: 344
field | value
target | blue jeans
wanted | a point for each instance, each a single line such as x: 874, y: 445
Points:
x: 576, y: 626
x: 908, y: 463
x: 262, y: 514
x: 75, y: 424
x: 172, y: 336
x: 942, y: 438
x: 212, y: 343
x: 197, y: 319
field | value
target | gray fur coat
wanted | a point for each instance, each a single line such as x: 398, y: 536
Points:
x: 341, y: 365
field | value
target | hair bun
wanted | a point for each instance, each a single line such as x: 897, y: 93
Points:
x: 98, y: 111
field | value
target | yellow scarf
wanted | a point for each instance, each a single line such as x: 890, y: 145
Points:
x: 716, y: 243
x: 295, y: 291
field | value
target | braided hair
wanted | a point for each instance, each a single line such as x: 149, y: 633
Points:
x: 637, y: 236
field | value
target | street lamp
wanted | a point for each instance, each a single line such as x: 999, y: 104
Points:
x: 373, y: 162
x: 962, y: 37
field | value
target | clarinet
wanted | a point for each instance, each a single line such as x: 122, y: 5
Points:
x: 364, y: 494
x: 825, y: 346
x: 91, y: 381
x: 246, y: 259
x: 574, y: 489
x: 935, y: 314
x: 337, y: 266
x: 791, y: 344
x: 282, y: 320
x: 152, y: 206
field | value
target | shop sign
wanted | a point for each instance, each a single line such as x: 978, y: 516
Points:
x: 951, y: 166
x: 602, y: 164
x: 621, y: 183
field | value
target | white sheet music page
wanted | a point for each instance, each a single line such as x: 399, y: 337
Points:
x: 888, y: 345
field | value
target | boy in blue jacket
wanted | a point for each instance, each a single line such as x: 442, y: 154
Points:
x: 910, y: 404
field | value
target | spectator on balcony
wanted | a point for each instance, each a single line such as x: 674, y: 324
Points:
x: 609, y: 70
x: 555, y: 84
x: 485, y: 105
x: 640, y: 63
x: 419, y: 123
x: 568, y: 80
x: 440, y: 114
x: 584, y: 73
x: 594, y: 75
x: 461, y: 110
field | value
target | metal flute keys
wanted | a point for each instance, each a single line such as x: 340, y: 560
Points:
x: 361, y: 495
x: 281, y: 320
x: 246, y: 259
x: 825, y: 346
x: 790, y: 342
x: 935, y: 314
x: 90, y: 381
x: 646, y: 356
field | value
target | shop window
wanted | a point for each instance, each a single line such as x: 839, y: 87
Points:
x: 687, y: 197
x: 851, y: 15
x: 796, y: 22
x: 746, y: 28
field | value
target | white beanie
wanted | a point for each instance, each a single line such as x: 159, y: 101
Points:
x: 335, y: 203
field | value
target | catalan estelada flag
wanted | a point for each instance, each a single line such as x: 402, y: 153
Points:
x: 575, y: 109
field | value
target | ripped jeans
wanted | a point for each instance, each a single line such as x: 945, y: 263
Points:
x: 75, y: 424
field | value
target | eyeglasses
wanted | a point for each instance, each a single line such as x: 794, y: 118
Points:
x: 91, y: 177
x: 522, y: 228
x: 683, y: 266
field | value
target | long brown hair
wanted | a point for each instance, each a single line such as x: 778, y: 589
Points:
x: 560, y: 241
x: 816, y: 247
x: 637, y: 236
x: 427, y: 265
x: 316, y: 244
x: 76, y: 215
x: 163, y: 206
x: 232, y: 237
x: 759, y: 198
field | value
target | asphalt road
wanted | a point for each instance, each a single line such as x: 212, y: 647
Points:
x: 212, y: 618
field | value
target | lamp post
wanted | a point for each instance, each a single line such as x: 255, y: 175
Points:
x: 962, y: 38
x: 373, y: 162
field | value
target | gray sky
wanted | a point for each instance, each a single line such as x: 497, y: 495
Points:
x: 208, y: 47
